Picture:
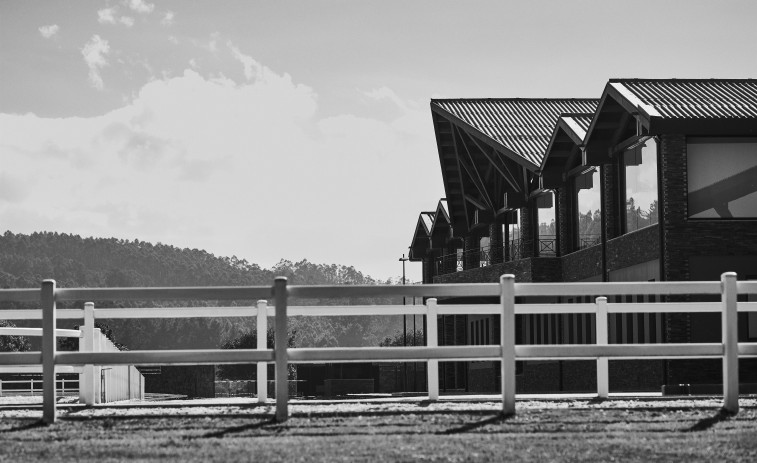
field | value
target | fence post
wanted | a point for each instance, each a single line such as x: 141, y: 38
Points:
x: 97, y: 372
x: 48, y: 351
x: 730, y: 341
x: 603, y: 376
x: 280, y: 349
x: 507, y: 330
x: 262, y: 338
x: 431, y: 341
x: 86, y: 344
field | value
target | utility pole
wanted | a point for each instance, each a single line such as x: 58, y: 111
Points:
x: 404, y: 259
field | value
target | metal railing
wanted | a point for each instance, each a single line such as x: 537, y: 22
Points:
x: 588, y: 240
x: 26, y: 387
x: 485, y: 255
x: 547, y: 246
x: 507, y: 352
x: 95, y: 384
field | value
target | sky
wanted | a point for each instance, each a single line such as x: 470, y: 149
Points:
x: 297, y: 129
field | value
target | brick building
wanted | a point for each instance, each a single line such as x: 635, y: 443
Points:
x: 654, y: 181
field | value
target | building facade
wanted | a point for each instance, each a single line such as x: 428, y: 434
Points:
x: 654, y: 181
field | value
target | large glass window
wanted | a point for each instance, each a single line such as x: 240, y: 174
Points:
x: 640, y: 165
x: 588, y: 208
x: 722, y: 178
x: 547, y: 242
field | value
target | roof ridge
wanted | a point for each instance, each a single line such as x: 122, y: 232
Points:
x: 514, y: 99
x: 677, y: 79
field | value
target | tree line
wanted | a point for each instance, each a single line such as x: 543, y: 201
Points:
x: 73, y: 261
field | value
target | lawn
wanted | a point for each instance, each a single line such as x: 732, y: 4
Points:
x: 562, y: 430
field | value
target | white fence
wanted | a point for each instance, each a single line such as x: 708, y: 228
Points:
x: 96, y: 384
x: 729, y: 350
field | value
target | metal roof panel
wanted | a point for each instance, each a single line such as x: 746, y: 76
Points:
x: 523, y: 126
x: 691, y: 98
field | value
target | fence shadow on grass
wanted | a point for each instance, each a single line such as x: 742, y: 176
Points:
x: 31, y: 424
x: 706, y: 423
x: 498, y: 418
x: 236, y: 429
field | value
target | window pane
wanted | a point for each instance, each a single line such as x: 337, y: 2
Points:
x: 588, y: 208
x: 722, y: 178
x: 641, y: 185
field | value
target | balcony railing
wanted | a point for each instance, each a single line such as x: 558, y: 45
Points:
x: 484, y: 256
x: 547, y: 246
x: 588, y: 240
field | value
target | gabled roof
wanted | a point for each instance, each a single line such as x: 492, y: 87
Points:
x: 490, y: 150
x: 522, y: 126
x: 564, y: 145
x: 644, y: 107
x: 419, y: 246
x: 575, y: 125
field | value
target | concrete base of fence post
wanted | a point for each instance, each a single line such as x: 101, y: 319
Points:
x: 507, y: 330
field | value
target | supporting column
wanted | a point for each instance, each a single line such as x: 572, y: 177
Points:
x: 496, y: 251
x: 527, y: 233
x: 262, y: 338
x: 280, y: 348
x: 49, y: 340
x: 471, y: 250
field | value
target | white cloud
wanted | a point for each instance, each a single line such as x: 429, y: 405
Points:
x: 168, y: 18
x: 173, y: 39
x: 106, y: 16
x: 95, y: 52
x: 244, y: 169
x: 140, y: 6
x: 251, y: 67
x: 385, y: 93
x: 110, y: 16
x: 49, y: 31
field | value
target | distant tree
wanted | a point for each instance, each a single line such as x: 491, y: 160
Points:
x: 397, y: 339
x: 249, y: 340
x: 13, y: 343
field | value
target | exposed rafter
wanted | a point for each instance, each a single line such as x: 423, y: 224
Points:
x: 469, y: 164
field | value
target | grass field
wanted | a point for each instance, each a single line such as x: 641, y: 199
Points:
x: 557, y: 430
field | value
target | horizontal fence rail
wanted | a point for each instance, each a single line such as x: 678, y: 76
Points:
x: 49, y: 361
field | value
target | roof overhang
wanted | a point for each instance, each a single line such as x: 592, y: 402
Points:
x: 421, y: 243
x: 698, y: 108
x: 563, y: 151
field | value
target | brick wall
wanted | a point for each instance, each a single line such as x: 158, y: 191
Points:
x: 582, y: 264
x: 685, y: 241
x: 527, y: 231
x: 633, y: 248
x: 564, y: 221
x: 536, y: 269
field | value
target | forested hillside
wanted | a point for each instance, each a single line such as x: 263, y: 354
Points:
x: 73, y: 261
